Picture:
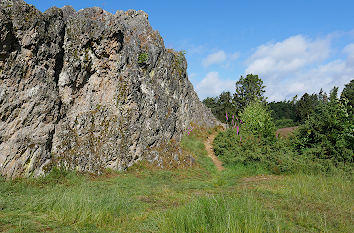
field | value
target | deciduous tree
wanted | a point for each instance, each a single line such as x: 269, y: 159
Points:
x: 248, y: 89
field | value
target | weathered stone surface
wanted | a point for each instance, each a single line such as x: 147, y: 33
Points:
x: 88, y: 89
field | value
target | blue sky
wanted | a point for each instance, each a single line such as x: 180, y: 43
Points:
x: 294, y: 46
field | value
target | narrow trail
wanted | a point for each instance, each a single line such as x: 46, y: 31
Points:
x: 209, y: 148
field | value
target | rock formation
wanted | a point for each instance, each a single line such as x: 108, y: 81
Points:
x: 88, y: 89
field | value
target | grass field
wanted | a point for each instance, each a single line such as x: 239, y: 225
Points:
x: 197, y: 199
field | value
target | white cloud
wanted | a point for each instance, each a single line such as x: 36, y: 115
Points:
x: 212, y: 85
x: 288, y: 56
x: 326, y: 76
x: 349, y: 50
x: 214, y: 58
x: 220, y: 57
x: 296, y: 87
x: 296, y: 65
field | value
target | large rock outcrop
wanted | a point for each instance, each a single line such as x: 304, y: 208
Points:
x: 88, y: 89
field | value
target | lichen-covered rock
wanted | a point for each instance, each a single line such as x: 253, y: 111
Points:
x: 88, y: 90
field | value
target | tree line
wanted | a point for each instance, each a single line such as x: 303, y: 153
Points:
x: 323, y: 142
x: 284, y: 113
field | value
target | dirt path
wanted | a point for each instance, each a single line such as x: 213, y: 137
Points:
x: 209, y: 148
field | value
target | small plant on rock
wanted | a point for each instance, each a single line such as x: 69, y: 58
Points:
x: 143, y: 58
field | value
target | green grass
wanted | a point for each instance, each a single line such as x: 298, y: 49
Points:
x: 198, y: 199
x: 217, y: 214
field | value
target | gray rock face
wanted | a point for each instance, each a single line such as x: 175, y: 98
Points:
x: 88, y: 90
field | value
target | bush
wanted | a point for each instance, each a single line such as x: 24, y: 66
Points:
x: 254, y: 142
x: 277, y: 157
x: 328, y: 135
x: 324, y: 143
x: 258, y: 121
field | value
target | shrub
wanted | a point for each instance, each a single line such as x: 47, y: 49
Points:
x: 253, y: 142
x: 258, y: 121
x: 324, y: 144
x: 328, y: 135
x: 246, y: 149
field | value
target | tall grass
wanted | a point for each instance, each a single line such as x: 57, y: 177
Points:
x: 79, y: 203
x: 198, y: 199
x: 310, y: 203
x: 196, y: 147
x: 219, y: 214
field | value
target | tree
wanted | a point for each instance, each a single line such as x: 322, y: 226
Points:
x: 248, y: 89
x: 333, y: 95
x: 328, y: 133
x: 348, y: 93
x: 221, y: 105
x: 283, y: 113
x: 322, y: 97
x: 225, y: 105
x: 211, y: 103
x: 305, y: 106
x: 258, y: 120
x: 283, y: 110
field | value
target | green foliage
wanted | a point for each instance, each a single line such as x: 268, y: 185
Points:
x: 283, y: 110
x: 328, y: 134
x: 181, y: 56
x: 211, y: 103
x: 246, y: 149
x: 292, y: 113
x: 333, y: 95
x: 221, y: 105
x: 348, y: 93
x: 255, y: 142
x: 248, y: 89
x: 143, y: 58
x: 258, y: 121
x: 182, y: 53
x: 284, y: 123
x: 322, y: 97
x: 305, y: 106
